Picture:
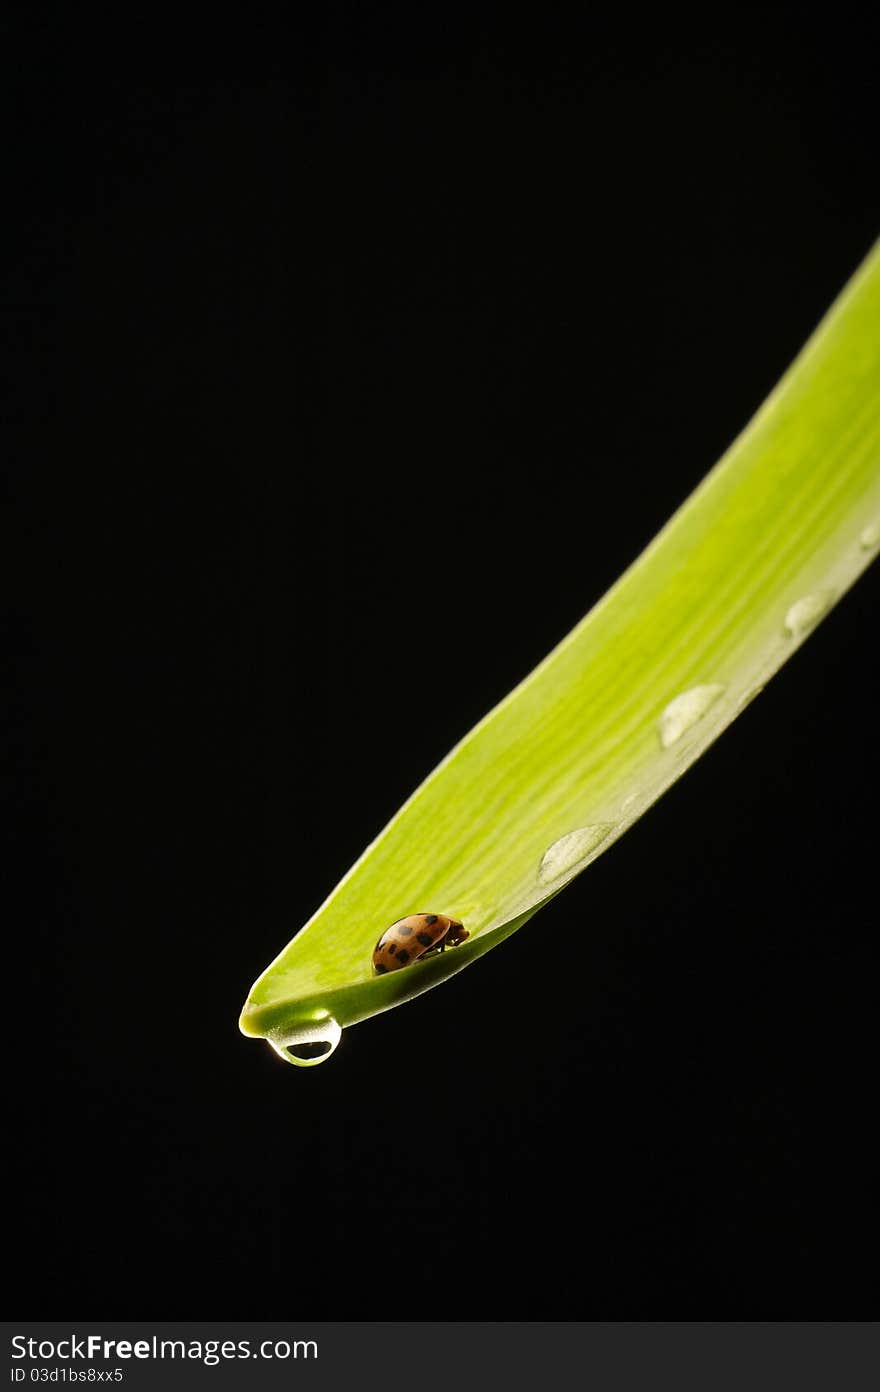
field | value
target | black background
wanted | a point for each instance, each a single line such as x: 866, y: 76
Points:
x: 341, y: 390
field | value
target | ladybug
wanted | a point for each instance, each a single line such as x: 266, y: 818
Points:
x: 411, y: 938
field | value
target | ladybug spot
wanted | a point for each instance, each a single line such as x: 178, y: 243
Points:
x: 425, y: 939
x: 430, y: 919
x: 402, y: 954
x: 380, y: 968
x: 404, y: 930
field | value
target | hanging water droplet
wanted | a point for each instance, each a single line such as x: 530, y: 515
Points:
x: 869, y: 537
x: 806, y: 612
x: 685, y: 710
x: 571, y: 850
x: 308, y: 1043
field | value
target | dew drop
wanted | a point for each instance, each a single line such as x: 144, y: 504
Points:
x: 308, y: 1043
x: 685, y: 710
x: 748, y: 697
x: 806, y: 612
x: 869, y: 537
x: 570, y: 850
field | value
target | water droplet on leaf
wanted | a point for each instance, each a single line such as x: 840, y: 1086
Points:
x: 748, y: 697
x: 571, y: 850
x: 685, y: 710
x: 806, y: 612
x: 869, y: 537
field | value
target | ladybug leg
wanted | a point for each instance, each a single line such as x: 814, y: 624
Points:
x: 456, y: 935
x: 436, y: 950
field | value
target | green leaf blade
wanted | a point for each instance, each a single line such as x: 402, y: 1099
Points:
x: 550, y: 778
